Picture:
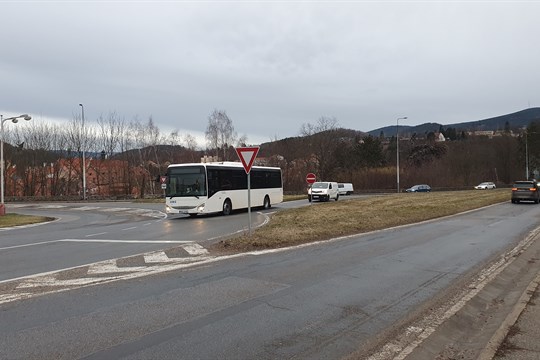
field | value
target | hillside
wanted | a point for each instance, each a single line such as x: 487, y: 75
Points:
x: 296, y: 147
x: 516, y: 120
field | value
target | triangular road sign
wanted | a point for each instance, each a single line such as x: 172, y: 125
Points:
x: 247, y: 156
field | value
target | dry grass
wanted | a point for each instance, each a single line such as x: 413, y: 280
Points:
x: 328, y: 220
x: 9, y: 220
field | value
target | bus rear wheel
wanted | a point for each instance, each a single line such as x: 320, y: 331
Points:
x: 266, y: 203
x: 227, y: 207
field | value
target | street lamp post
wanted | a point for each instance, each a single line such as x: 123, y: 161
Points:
x: 526, y: 156
x: 83, y: 155
x: 14, y: 120
x: 397, y: 150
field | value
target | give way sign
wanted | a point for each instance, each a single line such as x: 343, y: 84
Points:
x: 247, y: 156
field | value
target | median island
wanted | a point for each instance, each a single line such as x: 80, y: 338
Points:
x: 355, y: 216
x: 9, y: 220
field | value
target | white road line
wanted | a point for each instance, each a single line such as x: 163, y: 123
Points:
x: 26, y: 245
x: 86, y: 208
x: 78, y: 283
x: 52, y: 281
x: 99, y: 241
x: 4, y: 298
x: 110, y: 267
x: 195, y: 249
x: 52, y: 206
x: 96, y: 234
x: 157, y: 257
x: 114, y: 209
x: 129, y: 228
x: 138, y: 211
x: 402, y: 345
x: 127, y: 241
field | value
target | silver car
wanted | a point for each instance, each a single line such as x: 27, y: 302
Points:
x: 485, y: 186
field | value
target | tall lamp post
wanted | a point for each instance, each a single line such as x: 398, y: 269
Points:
x: 14, y: 120
x: 83, y: 156
x: 526, y: 155
x: 397, y: 149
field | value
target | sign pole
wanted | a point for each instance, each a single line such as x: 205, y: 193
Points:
x: 249, y: 201
x: 247, y: 156
x: 310, y: 179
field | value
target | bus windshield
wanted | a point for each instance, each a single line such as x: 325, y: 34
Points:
x: 186, y: 181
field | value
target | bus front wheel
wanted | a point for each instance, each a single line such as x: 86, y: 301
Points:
x: 227, y: 207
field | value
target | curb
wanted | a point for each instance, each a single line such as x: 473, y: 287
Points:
x: 497, y: 339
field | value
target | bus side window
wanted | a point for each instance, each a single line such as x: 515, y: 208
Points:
x: 213, y: 184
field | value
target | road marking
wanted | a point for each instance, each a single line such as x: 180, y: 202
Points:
x: 195, y: 249
x: 51, y: 206
x: 26, y: 245
x: 115, y: 209
x: 4, y: 298
x: 403, y: 345
x: 157, y: 257
x: 138, y: 211
x: 96, y: 234
x: 86, y: 208
x: 100, y: 241
x: 53, y: 281
x: 128, y: 241
x: 110, y: 267
x: 129, y: 228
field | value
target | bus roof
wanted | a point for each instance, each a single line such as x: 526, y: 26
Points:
x: 223, y: 164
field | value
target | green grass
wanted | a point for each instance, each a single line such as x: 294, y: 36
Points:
x: 355, y: 216
x: 9, y: 220
x: 294, y: 197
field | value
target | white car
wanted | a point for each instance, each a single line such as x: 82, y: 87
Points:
x: 345, y: 188
x: 323, y: 191
x: 485, y: 186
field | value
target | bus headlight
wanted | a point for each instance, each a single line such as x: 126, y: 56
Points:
x: 200, y: 208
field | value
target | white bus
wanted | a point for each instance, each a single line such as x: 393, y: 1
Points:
x: 220, y: 187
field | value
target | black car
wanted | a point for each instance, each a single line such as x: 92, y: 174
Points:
x: 526, y: 190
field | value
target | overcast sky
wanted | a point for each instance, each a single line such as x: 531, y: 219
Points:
x: 272, y: 66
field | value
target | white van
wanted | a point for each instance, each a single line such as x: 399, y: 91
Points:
x: 345, y: 188
x: 323, y: 191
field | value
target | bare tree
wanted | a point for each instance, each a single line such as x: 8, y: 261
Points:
x: 110, y: 132
x: 80, y: 137
x: 191, y: 144
x: 147, y: 138
x: 322, y: 141
x: 220, y: 133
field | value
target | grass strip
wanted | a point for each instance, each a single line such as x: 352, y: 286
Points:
x: 11, y: 219
x: 339, y: 218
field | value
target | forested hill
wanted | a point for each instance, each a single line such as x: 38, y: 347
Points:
x: 298, y: 146
x: 515, y: 120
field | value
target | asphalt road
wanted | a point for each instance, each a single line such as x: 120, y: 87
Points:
x: 91, y: 232
x: 323, y: 301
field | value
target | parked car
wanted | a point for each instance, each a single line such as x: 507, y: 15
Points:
x: 525, y: 191
x: 345, y: 188
x: 323, y: 191
x: 485, y: 186
x: 419, y: 188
